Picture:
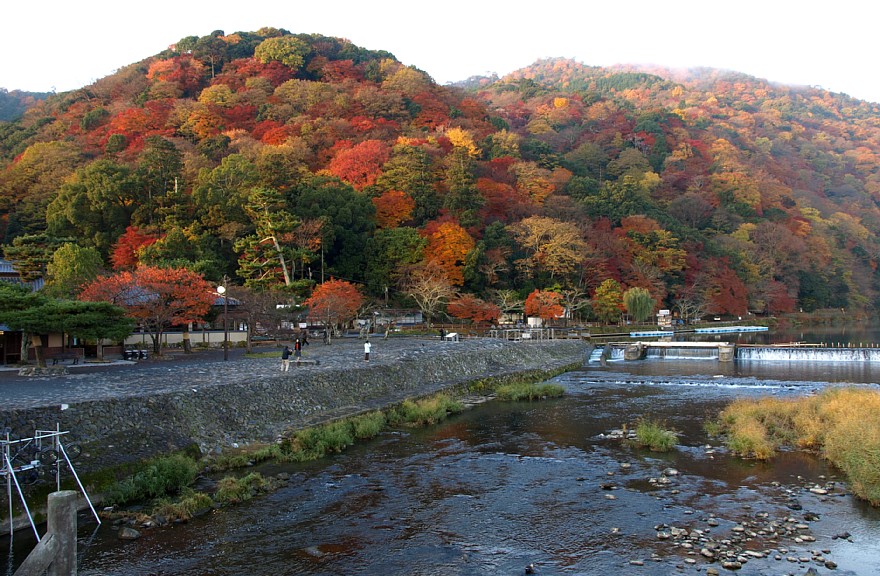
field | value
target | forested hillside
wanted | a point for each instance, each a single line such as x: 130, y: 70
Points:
x: 281, y: 159
x: 13, y: 104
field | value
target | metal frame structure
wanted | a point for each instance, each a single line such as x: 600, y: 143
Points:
x: 42, y: 440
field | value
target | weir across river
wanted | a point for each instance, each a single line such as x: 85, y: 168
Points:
x: 728, y: 352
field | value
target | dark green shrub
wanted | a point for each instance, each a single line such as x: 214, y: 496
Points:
x: 368, y: 425
x: 529, y: 391
x: 654, y: 436
x: 161, y: 477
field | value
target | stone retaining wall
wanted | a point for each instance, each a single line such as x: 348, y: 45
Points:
x: 119, y: 430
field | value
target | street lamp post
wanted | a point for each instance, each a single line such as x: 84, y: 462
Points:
x: 222, y: 291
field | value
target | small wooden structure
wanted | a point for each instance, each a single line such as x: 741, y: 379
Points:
x: 55, y: 553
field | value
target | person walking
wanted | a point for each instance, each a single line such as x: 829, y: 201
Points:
x: 297, y: 350
x: 285, y: 359
x: 367, y: 347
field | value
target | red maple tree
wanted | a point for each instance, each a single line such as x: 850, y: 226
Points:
x: 469, y: 307
x: 545, y: 304
x: 157, y: 298
x: 361, y: 164
x: 124, y: 254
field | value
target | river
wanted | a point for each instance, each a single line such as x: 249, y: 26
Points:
x: 506, y: 485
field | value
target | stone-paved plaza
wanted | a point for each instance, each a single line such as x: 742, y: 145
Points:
x: 199, y: 369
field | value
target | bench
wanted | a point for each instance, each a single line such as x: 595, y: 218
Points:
x: 133, y: 354
x: 75, y: 356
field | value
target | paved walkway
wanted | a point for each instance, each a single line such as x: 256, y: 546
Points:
x: 201, y: 369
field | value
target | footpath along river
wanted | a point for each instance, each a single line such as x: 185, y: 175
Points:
x: 507, y: 485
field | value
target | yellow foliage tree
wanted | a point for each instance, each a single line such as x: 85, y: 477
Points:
x: 462, y: 138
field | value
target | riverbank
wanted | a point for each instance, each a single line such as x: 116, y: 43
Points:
x: 130, y: 413
x: 506, y: 485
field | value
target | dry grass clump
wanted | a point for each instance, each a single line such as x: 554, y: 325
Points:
x: 425, y: 412
x: 232, y: 490
x: 185, y: 507
x: 841, y: 424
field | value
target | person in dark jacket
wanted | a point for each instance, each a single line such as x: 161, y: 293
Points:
x: 297, y: 350
x: 285, y: 359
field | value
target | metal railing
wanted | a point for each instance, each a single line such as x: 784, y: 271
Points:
x: 27, y: 460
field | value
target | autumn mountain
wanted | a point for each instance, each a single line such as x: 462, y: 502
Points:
x: 280, y: 158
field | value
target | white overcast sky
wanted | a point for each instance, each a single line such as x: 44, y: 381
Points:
x: 63, y: 44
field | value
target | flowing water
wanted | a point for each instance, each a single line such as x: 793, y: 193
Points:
x: 506, y: 485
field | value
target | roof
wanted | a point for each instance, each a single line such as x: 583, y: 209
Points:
x: 10, y: 275
x: 6, y: 267
x: 218, y: 300
x: 138, y: 295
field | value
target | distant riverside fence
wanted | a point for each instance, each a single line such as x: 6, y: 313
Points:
x: 210, y: 338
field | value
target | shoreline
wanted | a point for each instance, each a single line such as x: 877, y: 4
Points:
x: 226, y: 415
x: 130, y: 413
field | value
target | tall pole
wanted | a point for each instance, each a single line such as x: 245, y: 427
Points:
x: 226, y: 318
x: 223, y: 290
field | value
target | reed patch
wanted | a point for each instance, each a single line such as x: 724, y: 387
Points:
x: 529, y: 391
x: 654, y: 436
x: 840, y: 424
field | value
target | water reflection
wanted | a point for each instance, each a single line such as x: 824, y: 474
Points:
x: 744, y: 373
x: 761, y: 373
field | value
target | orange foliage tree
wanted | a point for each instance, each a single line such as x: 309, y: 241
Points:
x: 448, y: 246
x: 392, y: 208
x: 545, y: 304
x: 469, y: 307
x: 157, y: 298
x: 185, y: 72
x: 334, y: 302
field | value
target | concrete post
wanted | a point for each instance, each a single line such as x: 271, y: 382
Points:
x: 726, y: 352
x: 634, y: 352
x: 62, y: 524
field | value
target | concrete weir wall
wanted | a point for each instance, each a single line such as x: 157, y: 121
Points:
x: 261, y: 408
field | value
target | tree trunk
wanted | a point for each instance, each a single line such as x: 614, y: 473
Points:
x: 23, y: 348
x: 281, y: 260
x: 187, y: 346
x: 156, y: 337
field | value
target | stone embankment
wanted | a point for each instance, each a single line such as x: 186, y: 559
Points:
x: 216, y: 405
